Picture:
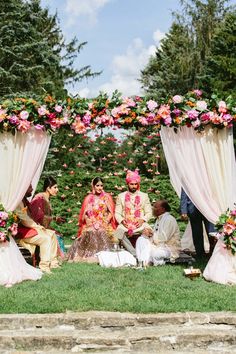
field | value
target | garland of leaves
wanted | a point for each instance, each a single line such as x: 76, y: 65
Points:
x: 81, y: 115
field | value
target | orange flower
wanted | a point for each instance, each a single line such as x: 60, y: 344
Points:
x: 128, y: 120
x: 190, y: 104
x: 49, y: 98
x: 230, y: 221
x: 177, y: 120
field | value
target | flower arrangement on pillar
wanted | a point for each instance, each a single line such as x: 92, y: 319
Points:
x: 8, y: 224
x: 226, y: 226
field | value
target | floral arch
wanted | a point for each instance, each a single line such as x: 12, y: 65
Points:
x: 200, y: 156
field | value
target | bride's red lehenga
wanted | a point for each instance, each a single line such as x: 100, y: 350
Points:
x: 96, y: 226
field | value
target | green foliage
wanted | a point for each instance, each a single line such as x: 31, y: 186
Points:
x: 84, y: 287
x: 172, y: 69
x: 221, y: 64
x: 34, y: 56
x: 180, y: 61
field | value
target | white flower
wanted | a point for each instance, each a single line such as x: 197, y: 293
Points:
x: 201, y: 105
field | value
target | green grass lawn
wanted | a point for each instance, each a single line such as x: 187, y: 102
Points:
x: 83, y: 287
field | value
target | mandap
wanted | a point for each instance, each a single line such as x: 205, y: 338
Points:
x: 196, y: 134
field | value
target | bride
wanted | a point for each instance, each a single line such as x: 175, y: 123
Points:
x: 14, y: 268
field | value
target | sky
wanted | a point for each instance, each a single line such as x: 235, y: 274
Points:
x: 121, y: 36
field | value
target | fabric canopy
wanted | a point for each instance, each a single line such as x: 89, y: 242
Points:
x: 204, y: 165
x: 22, y: 159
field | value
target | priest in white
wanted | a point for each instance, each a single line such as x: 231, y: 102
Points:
x: 161, y: 243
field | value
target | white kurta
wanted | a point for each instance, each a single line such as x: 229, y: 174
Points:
x: 165, y: 242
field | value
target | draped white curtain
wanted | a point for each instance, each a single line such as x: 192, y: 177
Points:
x: 204, y: 165
x: 22, y: 159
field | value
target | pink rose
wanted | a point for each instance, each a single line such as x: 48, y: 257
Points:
x: 198, y: 93
x: 129, y: 101
x: 164, y: 111
x: 229, y: 228
x: 23, y: 126
x: 13, y: 119
x: 58, y: 108
x: 196, y: 123
x: 39, y: 126
x: 2, y: 237
x: 201, y: 105
x: 205, y: 117
x: 13, y: 229
x: 24, y: 115
x: 177, y: 99
x: 3, y: 215
x: 168, y: 121
x: 222, y: 107
x: 130, y: 232
x: 192, y: 114
x: 151, y: 105
x: 42, y: 111
x: 143, y: 120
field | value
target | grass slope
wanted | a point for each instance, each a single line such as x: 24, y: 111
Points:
x: 83, y: 287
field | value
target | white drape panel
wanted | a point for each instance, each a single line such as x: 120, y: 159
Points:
x: 22, y: 159
x: 204, y: 165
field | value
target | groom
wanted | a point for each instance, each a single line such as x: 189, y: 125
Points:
x: 132, y: 212
x: 32, y: 234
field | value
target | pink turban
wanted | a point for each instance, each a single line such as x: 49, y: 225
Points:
x: 132, y: 177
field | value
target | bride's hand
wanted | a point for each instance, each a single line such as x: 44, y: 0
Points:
x: 89, y: 222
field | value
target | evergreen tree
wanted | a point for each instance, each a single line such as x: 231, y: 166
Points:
x: 180, y: 62
x: 202, y: 19
x: 34, y: 56
x: 221, y: 64
x: 172, y: 69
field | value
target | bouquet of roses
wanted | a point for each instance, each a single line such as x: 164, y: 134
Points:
x: 8, y: 224
x: 226, y: 226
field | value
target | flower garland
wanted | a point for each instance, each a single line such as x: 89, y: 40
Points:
x: 97, y: 210
x: 81, y: 115
x: 131, y: 215
x: 8, y: 224
x: 226, y: 226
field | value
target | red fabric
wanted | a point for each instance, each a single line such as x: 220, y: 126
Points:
x: 25, y: 232
x: 86, y: 202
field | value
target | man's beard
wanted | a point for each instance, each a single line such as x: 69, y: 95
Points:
x: 132, y: 190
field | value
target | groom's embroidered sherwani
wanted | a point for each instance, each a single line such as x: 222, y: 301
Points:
x: 142, y: 208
